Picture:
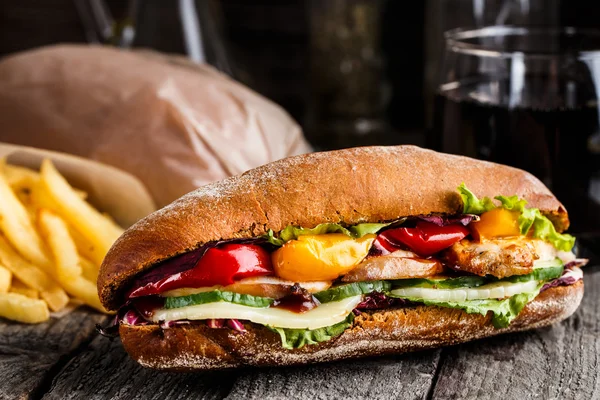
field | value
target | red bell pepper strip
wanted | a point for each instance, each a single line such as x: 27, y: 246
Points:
x: 425, y: 239
x: 218, y: 266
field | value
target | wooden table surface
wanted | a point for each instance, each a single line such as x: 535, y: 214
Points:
x: 66, y: 359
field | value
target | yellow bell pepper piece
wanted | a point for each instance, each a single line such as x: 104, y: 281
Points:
x: 495, y: 223
x: 320, y: 257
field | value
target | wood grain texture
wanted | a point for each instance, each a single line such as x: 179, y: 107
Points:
x: 105, y: 371
x: 404, y: 377
x: 559, y: 362
x: 29, y: 353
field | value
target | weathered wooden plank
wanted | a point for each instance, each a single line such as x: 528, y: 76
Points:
x: 402, y: 377
x: 105, y: 371
x: 29, y: 352
x: 559, y: 362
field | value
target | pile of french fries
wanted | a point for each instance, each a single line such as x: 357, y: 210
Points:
x: 52, y: 242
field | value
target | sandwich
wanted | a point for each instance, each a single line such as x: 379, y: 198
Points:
x: 341, y: 254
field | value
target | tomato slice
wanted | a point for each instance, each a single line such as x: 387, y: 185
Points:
x: 425, y: 239
x: 218, y: 266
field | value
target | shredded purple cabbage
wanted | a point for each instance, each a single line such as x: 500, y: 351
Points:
x: 171, y: 324
x: 570, y: 276
x: 215, y: 323
x: 132, y: 317
x: 125, y: 315
x: 464, y: 219
x: 377, y: 301
x: 236, y: 325
x: 578, y: 262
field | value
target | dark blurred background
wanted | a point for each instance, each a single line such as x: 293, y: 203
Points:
x: 350, y: 72
x: 271, y: 46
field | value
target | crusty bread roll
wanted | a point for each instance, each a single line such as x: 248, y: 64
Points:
x: 173, y: 124
x: 351, y: 186
x: 373, y: 333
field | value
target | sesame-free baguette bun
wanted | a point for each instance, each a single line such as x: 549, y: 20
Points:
x: 373, y: 333
x: 350, y: 186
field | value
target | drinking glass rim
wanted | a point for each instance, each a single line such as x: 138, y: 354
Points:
x: 455, y: 38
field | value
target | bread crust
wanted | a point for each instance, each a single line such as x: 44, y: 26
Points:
x: 350, y: 186
x: 374, y: 333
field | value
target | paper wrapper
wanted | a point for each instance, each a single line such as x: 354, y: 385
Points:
x: 173, y: 124
x: 119, y: 194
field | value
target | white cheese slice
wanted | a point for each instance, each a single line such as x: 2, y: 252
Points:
x: 497, y: 290
x: 324, y: 315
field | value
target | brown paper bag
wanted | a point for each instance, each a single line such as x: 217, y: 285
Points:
x: 173, y: 124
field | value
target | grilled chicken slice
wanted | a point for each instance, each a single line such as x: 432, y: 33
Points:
x: 397, y: 265
x: 498, y: 257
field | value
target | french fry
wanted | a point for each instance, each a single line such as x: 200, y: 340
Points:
x: 19, y: 287
x: 100, y: 231
x: 52, y: 243
x: 89, y: 270
x: 84, y: 247
x: 25, y: 199
x: 66, y: 259
x: 62, y: 247
x: 40, y: 198
x: 18, y: 228
x: 21, y: 308
x: 5, y: 279
x: 85, y: 291
x: 33, y: 277
x: 20, y: 178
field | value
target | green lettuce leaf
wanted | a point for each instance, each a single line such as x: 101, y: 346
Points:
x: 293, y: 232
x: 270, y: 237
x: 352, y: 289
x: 530, y: 218
x: 471, y: 204
x: 504, y: 311
x: 297, y: 338
x: 544, y: 229
x: 361, y: 230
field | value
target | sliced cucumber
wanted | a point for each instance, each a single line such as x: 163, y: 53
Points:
x: 538, y: 274
x: 352, y: 289
x: 497, y: 290
x: 441, y: 283
x: 217, y: 295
